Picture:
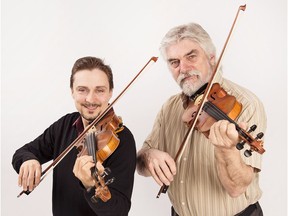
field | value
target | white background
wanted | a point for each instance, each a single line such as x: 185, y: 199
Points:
x: 42, y: 39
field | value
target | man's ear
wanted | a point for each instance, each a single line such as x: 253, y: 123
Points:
x: 212, y: 60
x: 72, y: 92
x: 110, y: 94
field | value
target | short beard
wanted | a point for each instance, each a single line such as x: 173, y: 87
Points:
x: 189, y: 88
x: 88, y: 118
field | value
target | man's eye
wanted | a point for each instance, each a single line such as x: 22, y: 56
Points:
x: 174, y: 64
x: 100, y: 90
x: 191, y: 57
x: 81, y: 90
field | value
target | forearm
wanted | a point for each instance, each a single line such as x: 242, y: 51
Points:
x: 233, y: 173
x: 21, y: 155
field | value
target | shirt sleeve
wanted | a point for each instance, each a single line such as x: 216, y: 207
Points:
x: 40, y: 149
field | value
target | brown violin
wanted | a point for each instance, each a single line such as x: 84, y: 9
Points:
x: 222, y: 106
x: 100, y: 142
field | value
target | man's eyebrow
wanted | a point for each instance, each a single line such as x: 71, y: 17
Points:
x: 172, y: 59
x: 191, y: 52
x: 80, y: 86
x: 187, y: 54
x: 100, y: 87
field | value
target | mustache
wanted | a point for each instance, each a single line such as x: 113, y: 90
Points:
x: 92, y: 105
x: 183, y: 76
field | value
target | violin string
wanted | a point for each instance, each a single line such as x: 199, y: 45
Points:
x: 218, y: 114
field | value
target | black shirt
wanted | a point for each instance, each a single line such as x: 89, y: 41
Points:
x: 69, y: 196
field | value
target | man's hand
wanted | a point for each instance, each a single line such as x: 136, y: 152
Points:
x: 29, y: 175
x: 160, y: 164
x: 82, y: 170
x: 224, y: 134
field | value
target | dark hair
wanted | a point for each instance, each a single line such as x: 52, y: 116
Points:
x: 90, y: 63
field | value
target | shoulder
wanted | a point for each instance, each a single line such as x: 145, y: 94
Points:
x: 64, y: 121
x: 253, y: 110
x: 126, y: 135
x: 127, y: 146
x: 69, y: 117
x: 173, y: 103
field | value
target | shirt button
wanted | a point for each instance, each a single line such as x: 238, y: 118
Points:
x: 184, y: 158
x: 181, y: 181
x: 183, y: 203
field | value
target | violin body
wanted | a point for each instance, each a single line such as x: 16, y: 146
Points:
x: 219, y: 97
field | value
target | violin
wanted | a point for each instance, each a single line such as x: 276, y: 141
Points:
x: 100, y: 142
x: 212, y: 104
x: 220, y: 105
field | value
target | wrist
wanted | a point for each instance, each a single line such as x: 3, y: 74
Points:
x: 227, y: 155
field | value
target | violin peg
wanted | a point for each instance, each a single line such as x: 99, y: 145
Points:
x: 248, y: 153
x: 94, y: 199
x: 259, y: 135
x: 107, y: 171
x: 110, y: 181
x: 252, y: 128
x: 240, y: 145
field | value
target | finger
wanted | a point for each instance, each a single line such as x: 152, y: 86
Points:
x: 37, y: 176
x: 223, y: 127
x: 162, y: 175
x: 171, y: 164
x: 218, y: 129
x: 154, y: 175
x: 212, y: 136
x: 86, y: 170
x: 232, y: 134
x: 99, y: 167
x: 243, y: 125
x: 20, y: 177
x: 31, y: 178
x: 24, y: 179
x: 76, y: 166
x: 85, y: 159
x: 167, y: 174
x: 217, y: 134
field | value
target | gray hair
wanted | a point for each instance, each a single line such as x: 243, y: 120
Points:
x: 192, y: 31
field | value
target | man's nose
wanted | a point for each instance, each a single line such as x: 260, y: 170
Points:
x: 91, y: 97
x: 185, y: 67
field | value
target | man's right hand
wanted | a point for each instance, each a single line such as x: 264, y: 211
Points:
x: 29, y: 174
x: 161, y: 165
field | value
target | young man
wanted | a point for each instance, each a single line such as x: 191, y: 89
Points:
x: 91, y: 84
x: 212, y: 177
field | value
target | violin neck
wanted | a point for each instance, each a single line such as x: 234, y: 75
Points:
x: 90, y: 142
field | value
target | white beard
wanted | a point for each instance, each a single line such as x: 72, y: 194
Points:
x: 189, y: 88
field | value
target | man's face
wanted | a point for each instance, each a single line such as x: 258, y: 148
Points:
x: 91, y: 93
x: 189, y: 65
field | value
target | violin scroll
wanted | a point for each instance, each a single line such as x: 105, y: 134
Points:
x: 102, y: 191
x: 255, y: 143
